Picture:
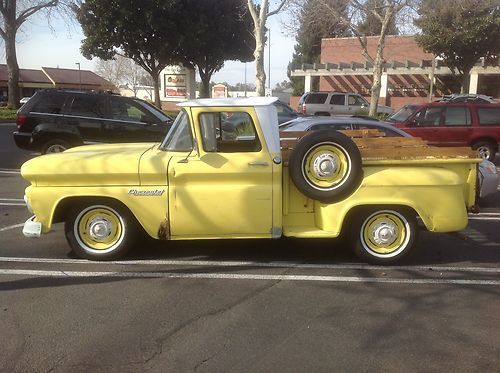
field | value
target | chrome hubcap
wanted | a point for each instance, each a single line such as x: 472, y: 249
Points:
x: 100, y: 229
x: 484, y: 152
x: 326, y: 165
x: 384, y: 233
x: 57, y: 148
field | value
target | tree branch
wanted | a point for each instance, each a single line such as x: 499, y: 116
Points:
x: 24, y: 15
x: 278, y: 9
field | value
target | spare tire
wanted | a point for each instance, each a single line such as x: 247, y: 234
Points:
x: 326, y: 166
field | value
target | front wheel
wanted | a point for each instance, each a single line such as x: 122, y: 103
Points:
x: 100, y: 232
x: 384, y: 236
x: 55, y: 146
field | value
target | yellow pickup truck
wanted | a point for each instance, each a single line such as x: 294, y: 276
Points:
x: 224, y: 172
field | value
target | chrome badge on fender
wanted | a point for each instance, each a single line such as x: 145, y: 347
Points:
x: 155, y: 192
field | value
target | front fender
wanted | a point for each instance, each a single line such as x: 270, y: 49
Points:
x: 149, y: 205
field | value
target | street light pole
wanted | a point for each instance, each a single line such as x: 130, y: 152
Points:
x: 269, y: 62
x: 79, y: 74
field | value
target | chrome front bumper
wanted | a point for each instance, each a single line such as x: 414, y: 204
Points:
x: 32, y: 228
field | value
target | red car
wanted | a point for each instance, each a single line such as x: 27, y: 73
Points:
x: 453, y: 124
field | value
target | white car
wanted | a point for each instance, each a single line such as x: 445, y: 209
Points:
x: 24, y: 100
x: 488, y: 179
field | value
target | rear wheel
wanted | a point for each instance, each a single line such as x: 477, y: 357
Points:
x: 485, y: 149
x: 101, y: 231
x: 55, y: 146
x: 384, y: 236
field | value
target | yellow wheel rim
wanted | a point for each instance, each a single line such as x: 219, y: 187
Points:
x: 326, y: 166
x: 385, y: 233
x: 99, y: 228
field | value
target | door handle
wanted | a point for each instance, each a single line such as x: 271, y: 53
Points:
x: 258, y: 164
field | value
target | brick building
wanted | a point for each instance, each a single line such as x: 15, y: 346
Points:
x: 406, y: 76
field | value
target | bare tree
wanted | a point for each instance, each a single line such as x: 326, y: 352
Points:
x: 13, y: 14
x: 385, y: 11
x: 123, y: 71
x: 260, y: 13
x: 112, y: 70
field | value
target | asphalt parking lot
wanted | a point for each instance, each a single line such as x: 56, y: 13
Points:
x: 249, y: 306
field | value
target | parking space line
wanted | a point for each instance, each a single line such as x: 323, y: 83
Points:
x: 9, y: 171
x: 11, y: 227
x: 12, y: 204
x: 214, y: 263
x: 486, y: 218
x: 236, y: 276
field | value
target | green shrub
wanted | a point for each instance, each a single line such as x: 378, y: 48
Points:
x: 8, y: 114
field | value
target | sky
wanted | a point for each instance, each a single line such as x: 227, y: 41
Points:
x: 59, y: 46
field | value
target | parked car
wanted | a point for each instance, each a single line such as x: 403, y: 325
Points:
x: 488, y: 177
x: 285, y: 112
x: 335, y: 103
x: 478, y: 99
x: 345, y: 122
x: 453, y: 124
x: 55, y: 120
x: 24, y: 100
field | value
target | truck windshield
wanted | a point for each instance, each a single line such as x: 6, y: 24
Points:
x: 402, y: 114
x: 179, y: 138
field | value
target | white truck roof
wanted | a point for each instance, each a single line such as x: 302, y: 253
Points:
x: 243, y: 101
x: 264, y: 108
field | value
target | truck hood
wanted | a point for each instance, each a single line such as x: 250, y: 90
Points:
x: 91, y: 165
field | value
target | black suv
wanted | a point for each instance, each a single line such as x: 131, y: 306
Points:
x: 53, y: 120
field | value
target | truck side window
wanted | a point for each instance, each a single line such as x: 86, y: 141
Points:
x: 489, y: 116
x: 428, y: 117
x: 457, y: 116
x: 356, y: 100
x: 338, y: 99
x: 228, y: 132
x: 51, y: 104
x: 89, y: 107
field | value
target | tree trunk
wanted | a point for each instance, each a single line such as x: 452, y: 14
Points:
x: 12, y: 66
x: 156, y: 85
x: 377, y: 78
x: 205, y: 84
x: 464, y: 82
x: 260, y: 74
x: 379, y: 62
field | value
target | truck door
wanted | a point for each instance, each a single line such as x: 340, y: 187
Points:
x: 225, y: 190
x: 425, y: 124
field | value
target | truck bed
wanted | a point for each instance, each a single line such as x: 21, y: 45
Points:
x: 376, y: 148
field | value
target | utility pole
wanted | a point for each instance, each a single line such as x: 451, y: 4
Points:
x: 79, y: 74
x: 269, y: 61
